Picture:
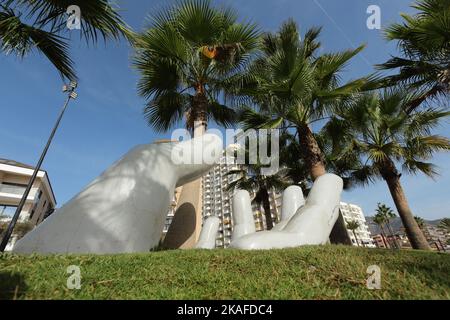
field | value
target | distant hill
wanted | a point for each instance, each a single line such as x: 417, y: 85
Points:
x: 396, y: 224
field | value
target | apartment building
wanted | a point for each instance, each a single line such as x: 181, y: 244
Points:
x: 217, y: 199
x: 275, y: 200
x: 352, y: 212
x: 172, y: 209
x: 14, y: 177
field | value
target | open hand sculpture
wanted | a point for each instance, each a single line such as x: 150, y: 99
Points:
x: 302, y: 222
x: 124, y: 209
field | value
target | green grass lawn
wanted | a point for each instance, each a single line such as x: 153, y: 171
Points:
x: 325, y: 272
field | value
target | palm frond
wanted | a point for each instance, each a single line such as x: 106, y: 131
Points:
x: 98, y: 17
x: 20, y: 38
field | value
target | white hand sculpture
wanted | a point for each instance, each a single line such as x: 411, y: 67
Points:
x: 302, y: 223
x: 125, y: 208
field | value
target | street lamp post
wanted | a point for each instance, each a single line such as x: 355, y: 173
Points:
x: 71, y: 94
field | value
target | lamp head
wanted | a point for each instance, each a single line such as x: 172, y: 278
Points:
x: 73, y: 84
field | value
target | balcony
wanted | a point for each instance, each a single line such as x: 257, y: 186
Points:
x: 11, y: 193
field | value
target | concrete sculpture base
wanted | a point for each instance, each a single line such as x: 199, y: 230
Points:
x: 302, y: 222
x: 124, y: 209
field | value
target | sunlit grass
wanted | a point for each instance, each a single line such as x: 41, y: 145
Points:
x: 326, y: 272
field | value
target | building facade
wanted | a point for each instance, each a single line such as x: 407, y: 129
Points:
x: 275, y: 199
x: 352, y: 212
x: 217, y: 199
x: 14, y: 177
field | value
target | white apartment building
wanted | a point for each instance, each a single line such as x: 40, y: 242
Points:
x: 14, y: 177
x: 275, y: 199
x: 217, y: 200
x: 352, y: 212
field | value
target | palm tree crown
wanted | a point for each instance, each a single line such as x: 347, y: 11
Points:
x: 424, y: 40
x: 291, y: 86
x: 352, y: 225
x: 385, y: 212
x: 377, y: 128
x: 252, y: 180
x: 444, y: 224
x: 40, y: 24
x: 185, y: 59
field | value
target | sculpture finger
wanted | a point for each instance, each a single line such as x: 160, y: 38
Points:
x: 244, y: 223
x: 317, y: 217
x: 207, y: 239
x: 292, y: 200
x: 326, y: 191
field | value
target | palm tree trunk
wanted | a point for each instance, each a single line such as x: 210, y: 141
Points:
x: 266, y: 206
x: 311, y: 152
x: 199, y: 110
x: 415, y: 235
x: 356, y: 238
x: 383, y: 236
x: 394, y: 238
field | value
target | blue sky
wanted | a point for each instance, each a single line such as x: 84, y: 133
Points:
x: 106, y: 120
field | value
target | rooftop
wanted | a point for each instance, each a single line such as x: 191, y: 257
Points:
x: 15, y: 163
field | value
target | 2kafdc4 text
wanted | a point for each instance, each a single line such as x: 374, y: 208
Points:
x: 225, y: 309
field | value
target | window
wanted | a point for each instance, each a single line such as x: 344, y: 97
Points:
x: 39, y: 195
x: 6, y: 210
x: 32, y: 212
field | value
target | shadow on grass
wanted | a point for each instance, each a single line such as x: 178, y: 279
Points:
x: 12, y: 286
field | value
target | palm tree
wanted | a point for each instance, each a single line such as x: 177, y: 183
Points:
x: 353, y: 225
x: 291, y: 86
x: 387, y: 214
x: 444, y: 224
x: 376, y: 127
x: 252, y: 180
x: 424, y: 40
x: 185, y: 60
x: 420, y: 222
x: 379, y: 220
x: 26, y: 25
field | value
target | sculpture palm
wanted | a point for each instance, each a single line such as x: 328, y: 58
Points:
x: 303, y: 222
x: 376, y: 128
x: 26, y: 25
